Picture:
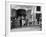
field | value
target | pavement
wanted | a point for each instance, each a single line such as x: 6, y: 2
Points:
x: 31, y: 28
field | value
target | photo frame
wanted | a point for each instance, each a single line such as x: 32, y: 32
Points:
x: 12, y: 6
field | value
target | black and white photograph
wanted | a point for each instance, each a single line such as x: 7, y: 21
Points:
x: 25, y: 18
x: 22, y: 18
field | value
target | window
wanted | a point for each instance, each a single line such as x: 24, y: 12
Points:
x: 38, y: 8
